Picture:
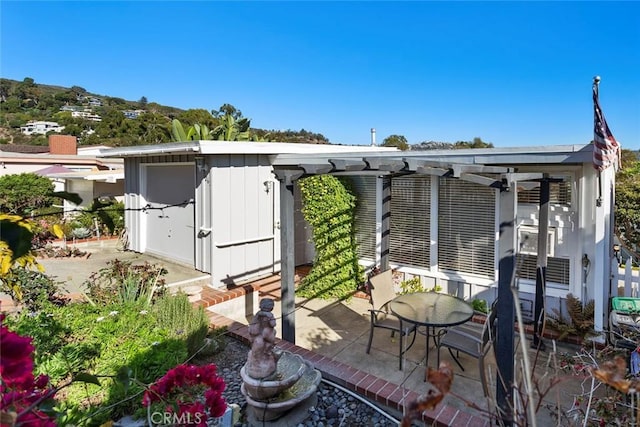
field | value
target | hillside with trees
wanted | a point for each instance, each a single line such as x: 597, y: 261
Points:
x: 127, y: 123
x: 104, y: 120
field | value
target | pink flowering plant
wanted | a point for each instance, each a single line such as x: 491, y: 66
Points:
x: 23, y: 396
x: 190, y: 393
x: 186, y: 394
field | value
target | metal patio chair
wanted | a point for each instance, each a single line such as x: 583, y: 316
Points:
x: 381, y: 292
x: 473, y: 339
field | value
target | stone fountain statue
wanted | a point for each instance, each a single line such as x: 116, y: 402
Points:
x: 279, y: 386
x: 263, y: 359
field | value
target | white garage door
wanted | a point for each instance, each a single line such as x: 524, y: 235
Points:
x: 170, y: 217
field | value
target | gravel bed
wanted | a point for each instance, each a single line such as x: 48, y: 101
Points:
x: 335, y: 407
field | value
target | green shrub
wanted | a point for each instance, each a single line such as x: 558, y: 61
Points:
x: 123, y: 282
x: 183, y: 320
x: 49, y: 334
x: 480, y: 305
x: 48, y: 217
x: 412, y: 285
x: 415, y: 285
x: 109, y: 216
x: 84, y: 219
x: 112, y: 216
x: 579, y: 321
x: 25, y: 193
x: 32, y: 288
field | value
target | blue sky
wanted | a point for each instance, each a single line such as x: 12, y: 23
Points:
x: 512, y: 73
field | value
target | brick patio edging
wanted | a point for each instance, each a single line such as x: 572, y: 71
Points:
x: 374, y: 388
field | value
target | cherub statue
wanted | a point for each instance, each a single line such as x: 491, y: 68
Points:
x: 262, y: 359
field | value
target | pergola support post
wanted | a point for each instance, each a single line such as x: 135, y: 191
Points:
x: 505, y: 306
x: 287, y: 253
x: 541, y: 271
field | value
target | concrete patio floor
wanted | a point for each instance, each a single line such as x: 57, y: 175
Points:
x: 340, y: 330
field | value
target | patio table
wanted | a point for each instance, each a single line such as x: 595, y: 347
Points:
x: 431, y: 310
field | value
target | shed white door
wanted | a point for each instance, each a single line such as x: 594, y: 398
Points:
x: 170, y: 218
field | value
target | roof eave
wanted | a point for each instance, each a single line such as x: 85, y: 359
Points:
x: 151, y: 150
x: 565, y: 154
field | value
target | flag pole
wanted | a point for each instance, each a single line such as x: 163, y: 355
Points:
x: 596, y: 87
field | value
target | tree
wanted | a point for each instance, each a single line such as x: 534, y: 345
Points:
x: 627, y: 209
x: 66, y: 97
x: 476, y: 143
x: 4, y: 89
x: 115, y: 102
x: 28, y: 91
x: 630, y: 161
x: 143, y: 102
x: 28, y: 82
x: 227, y: 109
x: 77, y: 90
x: 231, y: 129
x: 398, y: 141
x: 197, y: 115
x: 113, y: 124
x: 432, y: 145
x: 302, y: 136
x: 154, y: 128
x: 23, y: 194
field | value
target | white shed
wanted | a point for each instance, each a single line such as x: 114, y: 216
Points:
x: 213, y: 205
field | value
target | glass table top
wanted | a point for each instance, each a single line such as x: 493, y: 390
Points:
x: 431, y: 309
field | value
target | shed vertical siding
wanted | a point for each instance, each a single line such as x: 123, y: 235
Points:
x: 242, y: 218
x: 203, y: 226
x: 169, y: 194
x: 132, y: 198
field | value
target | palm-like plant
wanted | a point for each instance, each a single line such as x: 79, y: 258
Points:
x: 231, y: 129
x: 197, y: 132
x: 177, y: 131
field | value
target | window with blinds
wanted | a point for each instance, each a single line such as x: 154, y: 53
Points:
x: 365, y: 221
x: 410, y: 237
x: 466, y: 227
x: 557, y: 268
x: 559, y: 193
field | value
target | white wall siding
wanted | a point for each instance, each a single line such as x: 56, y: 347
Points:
x: 132, y: 205
x: 243, y: 218
x: 203, y: 217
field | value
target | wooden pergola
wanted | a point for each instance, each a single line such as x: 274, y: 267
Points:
x: 289, y: 168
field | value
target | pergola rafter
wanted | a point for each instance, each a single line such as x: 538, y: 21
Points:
x: 504, y: 179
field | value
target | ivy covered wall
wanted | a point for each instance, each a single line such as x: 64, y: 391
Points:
x: 329, y: 207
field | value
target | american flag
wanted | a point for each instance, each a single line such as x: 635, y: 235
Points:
x: 606, y: 149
